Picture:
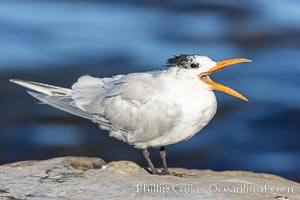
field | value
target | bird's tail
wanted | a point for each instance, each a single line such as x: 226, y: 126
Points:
x: 58, y: 97
x: 43, y: 88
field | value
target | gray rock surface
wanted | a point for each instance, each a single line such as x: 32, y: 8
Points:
x: 93, y: 178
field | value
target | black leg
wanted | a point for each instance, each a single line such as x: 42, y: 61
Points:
x: 163, y: 156
x: 147, y: 157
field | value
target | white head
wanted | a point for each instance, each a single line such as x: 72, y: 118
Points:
x: 202, y: 66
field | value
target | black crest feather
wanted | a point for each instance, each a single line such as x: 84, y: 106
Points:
x: 182, y: 61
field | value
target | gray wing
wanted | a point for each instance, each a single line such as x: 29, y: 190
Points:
x: 60, y: 98
x: 134, y: 108
x: 66, y: 103
x: 135, y: 105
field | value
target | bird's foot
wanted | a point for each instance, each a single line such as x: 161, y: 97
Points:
x: 159, y: 172
x: 183, y: 175
x: 167, y: 172
x: 163, y: 172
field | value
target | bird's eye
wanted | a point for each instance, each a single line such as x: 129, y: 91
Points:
x: 194, y: 65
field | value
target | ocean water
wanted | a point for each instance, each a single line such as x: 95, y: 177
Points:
x: 55, y: 42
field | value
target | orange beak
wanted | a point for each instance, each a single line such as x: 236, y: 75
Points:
x: 216, y: 86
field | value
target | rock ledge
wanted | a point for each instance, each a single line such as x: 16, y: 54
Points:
x: 93, y: 178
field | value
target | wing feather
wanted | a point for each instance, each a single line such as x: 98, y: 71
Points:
x: 66, y: 103
x: 134, y: 106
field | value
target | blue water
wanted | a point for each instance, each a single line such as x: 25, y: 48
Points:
x: 57, y: 41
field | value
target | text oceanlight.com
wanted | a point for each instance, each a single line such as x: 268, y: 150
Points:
x: 212, y: 188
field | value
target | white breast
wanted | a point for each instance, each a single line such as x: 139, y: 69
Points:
x: 198, y: 108
x: 154, y: 109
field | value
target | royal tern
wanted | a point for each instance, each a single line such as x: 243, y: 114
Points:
x: 150, y: 109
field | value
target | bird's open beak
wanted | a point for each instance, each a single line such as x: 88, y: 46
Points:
x: 216, y: 86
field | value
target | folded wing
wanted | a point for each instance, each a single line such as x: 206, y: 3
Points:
x: 133, y: 108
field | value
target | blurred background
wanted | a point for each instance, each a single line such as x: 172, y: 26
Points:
x: 55, y: 42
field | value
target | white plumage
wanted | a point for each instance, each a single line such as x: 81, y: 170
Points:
x: 151, y: 109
